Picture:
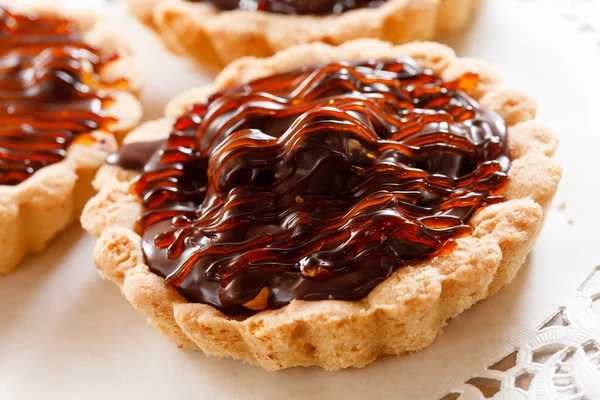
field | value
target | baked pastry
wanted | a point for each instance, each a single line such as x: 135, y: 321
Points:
x: 217, y: 32
x: 67, y: 88
x: 366, y: 172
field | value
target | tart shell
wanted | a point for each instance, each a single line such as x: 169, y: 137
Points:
x: 215, y: 38
x: 33, y: 212
x: 402, y: 314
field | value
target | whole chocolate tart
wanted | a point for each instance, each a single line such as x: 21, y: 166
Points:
x: 217, y: 32
x: 67, y: 88
x: 327, y: 205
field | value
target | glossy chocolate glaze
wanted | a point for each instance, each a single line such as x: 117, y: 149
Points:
x: 48, y: 92
x: 300, y: 7
x: 316, y: 184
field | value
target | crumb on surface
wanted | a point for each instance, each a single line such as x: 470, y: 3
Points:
x: 562, y: 205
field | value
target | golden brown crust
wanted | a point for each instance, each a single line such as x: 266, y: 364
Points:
x: 402, y: 314
x: 36, y: 210
x: 216, y: 38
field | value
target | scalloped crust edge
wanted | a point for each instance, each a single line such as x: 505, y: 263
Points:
x: 406, y: 311
x: 33, y: 212
x: 214, y: 39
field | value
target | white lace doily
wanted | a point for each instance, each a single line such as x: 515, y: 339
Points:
x: 561, y: 360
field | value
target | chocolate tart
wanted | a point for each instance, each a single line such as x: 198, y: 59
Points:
x: 217, y: 32
x: 327, y: 205
x: 67, y: 96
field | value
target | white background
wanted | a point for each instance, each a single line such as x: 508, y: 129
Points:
x: 66, y: 334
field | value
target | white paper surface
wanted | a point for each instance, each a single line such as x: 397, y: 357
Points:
x: 66, y: 334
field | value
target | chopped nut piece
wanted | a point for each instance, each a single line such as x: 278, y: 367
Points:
x: 354, y: 145
x: 260, y: 302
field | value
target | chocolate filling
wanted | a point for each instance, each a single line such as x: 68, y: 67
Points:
x: 48, y: 96
x: 315, y: 184
x: 293, y: 7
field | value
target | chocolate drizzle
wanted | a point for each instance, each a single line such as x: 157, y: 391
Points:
x: 316, y: 184
x: 300, y: 7
x: 48, y: 92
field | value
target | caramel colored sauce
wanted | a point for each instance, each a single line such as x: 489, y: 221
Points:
x: 315, y: 184
x: 293, y: 7
x: 48, y: 92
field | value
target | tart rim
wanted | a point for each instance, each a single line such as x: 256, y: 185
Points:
x: 406, y: 311
x: 35, y: 210
x: 215, y: 38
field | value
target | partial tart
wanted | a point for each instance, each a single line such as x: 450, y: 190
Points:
x: 217, y: 32
x: 67, y: 96
x: 327, y: 205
